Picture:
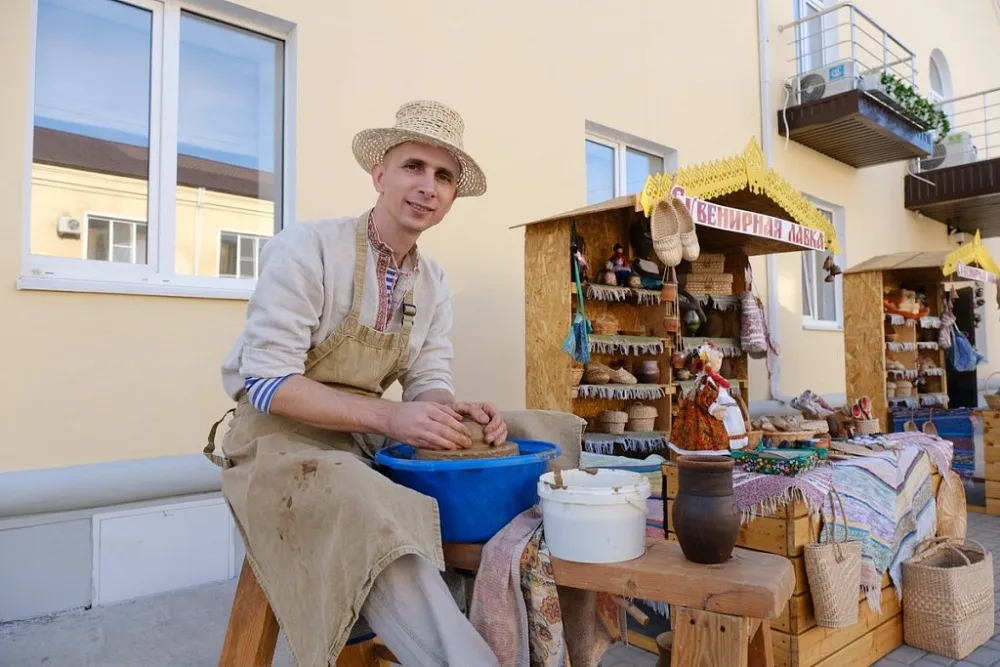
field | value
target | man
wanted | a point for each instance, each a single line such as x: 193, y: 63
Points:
x: 342, y: 309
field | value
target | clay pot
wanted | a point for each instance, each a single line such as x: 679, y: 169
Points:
x: 668, y: 292
x: 649, y: 371
x: 705, y: 517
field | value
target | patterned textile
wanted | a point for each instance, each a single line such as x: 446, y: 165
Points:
x: 755, y: 493
x: 524, y: 617
x: 890, y: 508
x: 955, y: 425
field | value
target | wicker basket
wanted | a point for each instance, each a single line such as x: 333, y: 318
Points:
x: 613, y: 421
x: 709, y: 284
x: 709, y: 263
x: 904, y: 389
x: 641, y: 417
x: 890, y: 389
x: 833, y: 570
x: 948, y: 597
x: 575, y: 375
x: 992, y: 400
x: 867, y: 426
x: 597, y: 374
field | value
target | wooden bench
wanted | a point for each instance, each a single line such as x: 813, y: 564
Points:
x: 723, y: 612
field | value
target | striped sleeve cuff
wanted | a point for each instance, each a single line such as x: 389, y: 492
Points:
x: 260, y: 391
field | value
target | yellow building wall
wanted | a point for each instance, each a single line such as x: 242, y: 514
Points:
x: 968, y: 34
x: 107, y: 377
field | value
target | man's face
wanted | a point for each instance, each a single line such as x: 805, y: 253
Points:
x: 417, y: 184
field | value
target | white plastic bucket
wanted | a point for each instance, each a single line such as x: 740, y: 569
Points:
x: 594, y: 517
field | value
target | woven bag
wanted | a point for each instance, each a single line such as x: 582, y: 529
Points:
x: 952, y: 512
x: 948, y: 597
x: 833, y: 569
x: 753, y: 328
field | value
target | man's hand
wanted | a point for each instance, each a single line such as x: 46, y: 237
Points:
x: 428, y: 425
x: 494, y: 428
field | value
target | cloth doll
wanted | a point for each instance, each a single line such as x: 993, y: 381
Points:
x: 705, y: 419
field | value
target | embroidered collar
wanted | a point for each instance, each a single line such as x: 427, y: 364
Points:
x: 411, y: 262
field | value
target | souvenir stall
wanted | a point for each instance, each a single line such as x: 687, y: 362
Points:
x: 628, y: 302
x: 901, y: 340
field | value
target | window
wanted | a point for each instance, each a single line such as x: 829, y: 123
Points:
x: 939, y: 74
x: 174, y: 129
x: 619, y: 164
x: 112, y: 240
x: 239, y: 254
x: 812, y: 37
x: 822, y: 301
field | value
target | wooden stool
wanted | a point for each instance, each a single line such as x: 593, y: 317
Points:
x: 252, y: 633
x: 720, y: 614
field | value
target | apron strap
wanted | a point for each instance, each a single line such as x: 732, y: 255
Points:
x: 360, y: 263
x: 409, y: 312
x: 220, y: 459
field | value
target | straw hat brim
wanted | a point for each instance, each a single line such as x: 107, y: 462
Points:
x: 370, y: 146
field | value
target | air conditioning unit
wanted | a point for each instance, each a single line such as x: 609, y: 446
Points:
x: 835, y: 78
x: 68, y: 226
x: 957, y: 148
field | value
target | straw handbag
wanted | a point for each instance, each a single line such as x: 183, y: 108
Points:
x: 948, y: 597
x: 833, y: 570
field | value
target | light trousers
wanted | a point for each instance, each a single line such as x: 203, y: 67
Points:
x: 416, y: 616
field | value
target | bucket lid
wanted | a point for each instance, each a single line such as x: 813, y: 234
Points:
x: 602, y: 486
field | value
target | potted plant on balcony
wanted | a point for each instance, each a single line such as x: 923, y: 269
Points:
x: 917, y: 108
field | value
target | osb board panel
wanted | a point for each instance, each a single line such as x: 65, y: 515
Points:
x: 991, y: 454
x: 817, y: 644
x: 993, y: 490
x: 785, y: 537
x: 547, y: 310
x: 864, y: 340
x: 870, y: 648
x: 992, y: 471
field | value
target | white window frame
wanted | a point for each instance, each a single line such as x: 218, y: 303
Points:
x: 826, y: 50
x: 256, y: 238
x: 810, y: 322
x: 620, y: 142
x: 158, y: 275
x: 85, y: 236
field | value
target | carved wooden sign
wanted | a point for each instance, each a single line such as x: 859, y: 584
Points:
x: 763, y: 226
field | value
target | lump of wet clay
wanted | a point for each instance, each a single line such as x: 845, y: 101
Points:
x: 479, y: 449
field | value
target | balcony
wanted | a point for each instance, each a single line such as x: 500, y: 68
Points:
x: 854, y: 95
x: 959, y: 185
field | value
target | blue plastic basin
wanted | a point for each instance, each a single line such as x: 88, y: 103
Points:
x: 476, y: 497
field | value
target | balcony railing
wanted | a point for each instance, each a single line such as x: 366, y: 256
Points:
x: 974, y: 133
x: 843, y: 48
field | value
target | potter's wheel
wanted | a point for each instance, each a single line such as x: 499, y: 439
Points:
x: 478, y: 450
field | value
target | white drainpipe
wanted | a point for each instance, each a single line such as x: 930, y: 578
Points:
x: 766, y: 142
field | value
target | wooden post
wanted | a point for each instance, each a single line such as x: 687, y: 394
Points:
x: 252, y: 634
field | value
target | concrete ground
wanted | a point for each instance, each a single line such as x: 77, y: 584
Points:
x: 186, y: 628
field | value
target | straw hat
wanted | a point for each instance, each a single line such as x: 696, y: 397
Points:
x: 426, y: 122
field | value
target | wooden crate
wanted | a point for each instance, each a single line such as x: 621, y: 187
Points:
x: 798, y: 641
x: 991, y: 458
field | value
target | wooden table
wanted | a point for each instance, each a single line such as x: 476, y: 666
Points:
x: 723, y: 612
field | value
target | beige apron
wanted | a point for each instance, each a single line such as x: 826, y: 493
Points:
x: 318, y: 522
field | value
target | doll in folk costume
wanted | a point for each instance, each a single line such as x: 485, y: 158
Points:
x: 708, y: 419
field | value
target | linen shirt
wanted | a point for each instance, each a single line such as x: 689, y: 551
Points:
x: 305, y: 290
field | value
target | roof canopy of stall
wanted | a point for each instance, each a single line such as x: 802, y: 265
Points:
x: 970, y: 261
x: 747, y: 207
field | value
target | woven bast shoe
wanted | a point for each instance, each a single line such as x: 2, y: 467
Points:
x: 664, y: 228
x: 690, y: 248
